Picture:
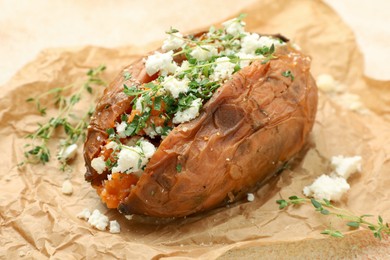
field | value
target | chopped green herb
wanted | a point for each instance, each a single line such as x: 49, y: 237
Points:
x: 288, y: 74
x: 127, y: 75
x: 178, y: 168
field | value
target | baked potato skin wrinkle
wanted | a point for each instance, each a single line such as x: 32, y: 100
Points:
x: 256, y: 121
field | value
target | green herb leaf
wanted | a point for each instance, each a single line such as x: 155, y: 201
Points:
x: 127, y: 75
x: 315, y: 203
x: 178, y: 168
x: 282, y: 203
x: 353, y: 224
x: 288, y: 74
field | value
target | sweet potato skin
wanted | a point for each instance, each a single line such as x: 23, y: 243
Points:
x: 252, y: 124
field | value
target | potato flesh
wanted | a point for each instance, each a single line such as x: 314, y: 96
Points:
x: 252, y: 124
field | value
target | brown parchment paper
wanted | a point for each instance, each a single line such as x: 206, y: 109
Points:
x: 39, y: 222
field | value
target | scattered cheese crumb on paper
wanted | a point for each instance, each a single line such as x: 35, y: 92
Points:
x: 98, y: 220
x: 327, y: 187
x: 115, y: 227
x: 346, y: 166
x: 333, y: 186
x: 250, y: 197
x: 67, y: 187
x: 84, y: 214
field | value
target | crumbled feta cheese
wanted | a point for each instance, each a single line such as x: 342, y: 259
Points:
x: 129, y: 217
x: 147, y: 148
x: 84, y: 214
x: 327, y: 187
x: 234, y: 27
x: 128, y: 159
x: 250, y: 197
x: 345, y: 166
x: 68, y: 153
x: 162, y: 62
x: 266, y: 41
x: 132, y: 159
x: 185, y: 65
x: 326, y: 83
x: 153, y: 132
x: 223, y: 69
x: 98, y: 164
x: 246, y: 59
x: 175, y: 86
x: 98, y: 220
x: 67, y: 187
x: 111, y: 145
x: 139, y: 104
x: 115, y: 227
x: 120, y: 129
x: 109, y: 177
x: 250, y: 43
x: 189, y: 113
x: 204, y: 52
x: 173, y: 42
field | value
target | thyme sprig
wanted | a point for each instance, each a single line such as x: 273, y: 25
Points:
x: 325, y: 207
x: 65, y: 98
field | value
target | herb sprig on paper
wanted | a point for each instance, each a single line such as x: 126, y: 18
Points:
x: 74, y: 126
x: 379, y: 228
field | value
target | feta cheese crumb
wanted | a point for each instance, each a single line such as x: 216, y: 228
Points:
x: 115, y: 227
x: 129, y: 217
x: 189, y: 113
x: 98, y: 220
x: 111, y: 145
x: 84, y: 214
x: 246, y: 59
x: 234, y: 27
x: 345, y: 166
x: 173, y: 42
x: 98, y: 164
x: 147, y: 148
x: 327, y: 187
x: 326, y: 83
x: 128, y: 159
x: 153, y: 132
x: 185, y: 65
x: 132, y: 159
x: 250, y: 197
x: 250, y: 43
x: 68, y: 153
x: 175, y: 86
x: 120, y: 129
x: 139, y: 104
x: 67, y: 188
x: 223, y: 69
x: 162, y: 62
x: 204, y: 52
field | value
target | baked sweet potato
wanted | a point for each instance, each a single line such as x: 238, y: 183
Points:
x: 256, y: 120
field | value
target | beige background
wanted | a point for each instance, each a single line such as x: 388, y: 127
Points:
x: 27, y: 27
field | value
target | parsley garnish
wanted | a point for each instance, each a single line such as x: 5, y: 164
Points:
x: 288, y: 74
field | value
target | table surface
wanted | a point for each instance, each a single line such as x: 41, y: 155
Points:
x: 24, y: 30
